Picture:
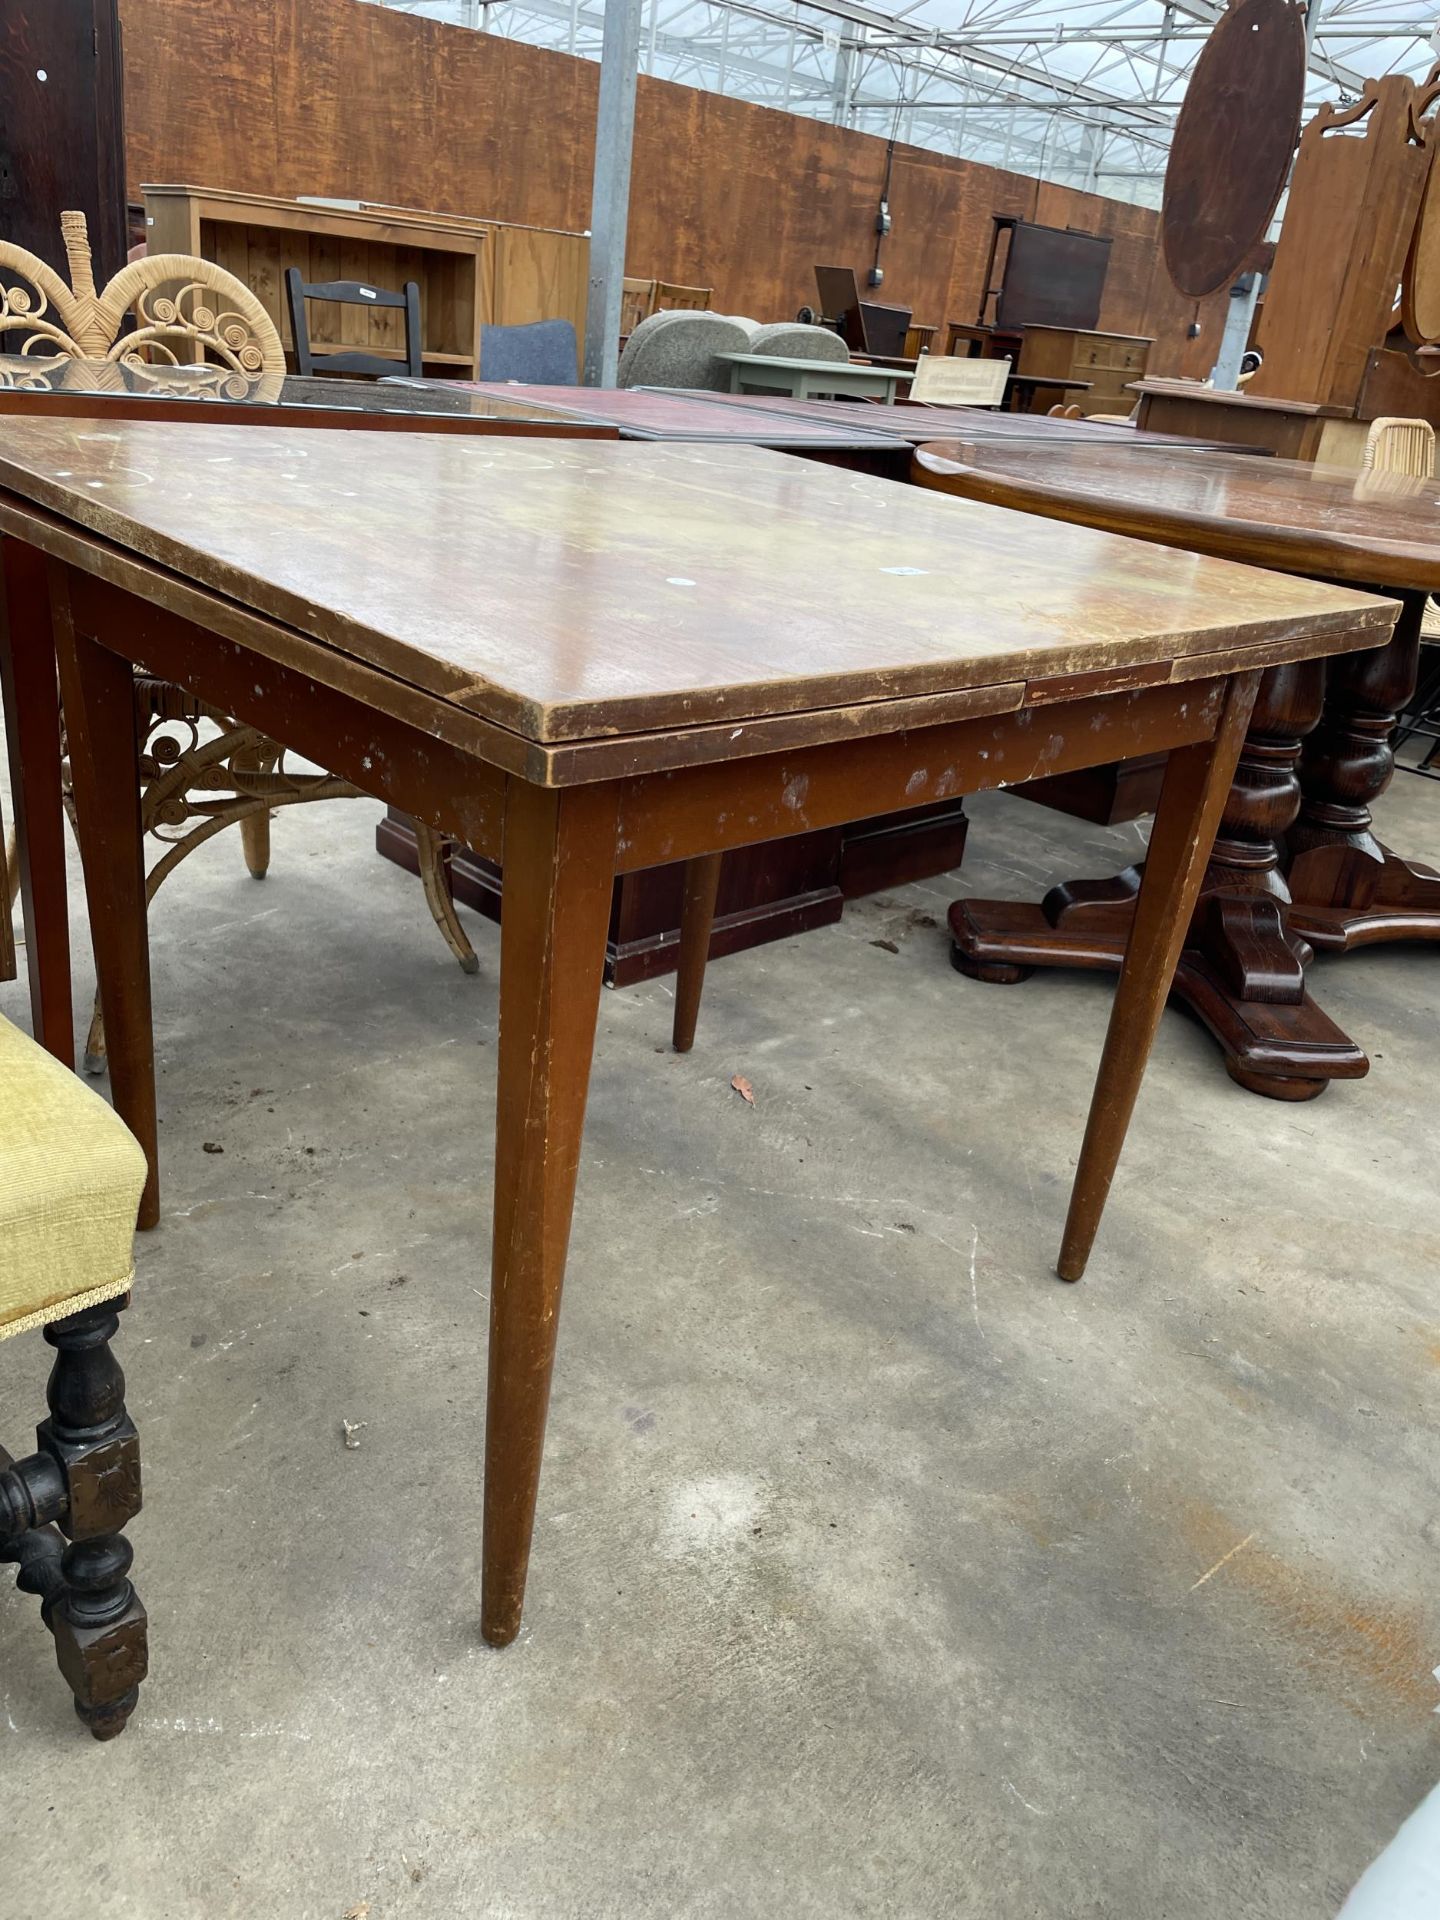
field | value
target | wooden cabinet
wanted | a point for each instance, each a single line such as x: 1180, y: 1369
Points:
x: 767, y: 892
x: 471, y: 273
x: 1292, y: 429
x: 1109, y: 361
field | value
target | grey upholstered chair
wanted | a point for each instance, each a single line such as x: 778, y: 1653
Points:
x: 787, y: 340
x: 541, y: 353
x: 679, y: 349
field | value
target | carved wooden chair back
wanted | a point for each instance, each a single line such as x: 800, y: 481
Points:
x: 352, y: 293
x: 1401, y: 446
x: 186, y: 311
x: 950, y: 380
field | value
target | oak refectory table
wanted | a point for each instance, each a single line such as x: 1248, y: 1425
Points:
x: 1297, y: 865
x: 636, y: 654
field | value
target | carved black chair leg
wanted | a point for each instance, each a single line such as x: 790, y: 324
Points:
x: 84, y: 1479
x: 35, y: 1553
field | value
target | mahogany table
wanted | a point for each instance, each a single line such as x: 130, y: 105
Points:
x: 856, y: 433
x: 851, y: 434
x: 1296, y: 865
x: 636, y: 654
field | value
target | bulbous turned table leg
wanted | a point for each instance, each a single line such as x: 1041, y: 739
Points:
x: 1349, y: 890
x: 1243, y: 968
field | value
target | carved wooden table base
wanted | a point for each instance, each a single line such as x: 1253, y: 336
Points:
x: 1295, y: 868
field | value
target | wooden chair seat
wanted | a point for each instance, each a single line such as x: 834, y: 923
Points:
x: 73, y: 1176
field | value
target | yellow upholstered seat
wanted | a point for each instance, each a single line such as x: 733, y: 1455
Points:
x: 71, y: 1175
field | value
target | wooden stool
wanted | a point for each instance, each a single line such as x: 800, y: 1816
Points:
x: 68, y: 1199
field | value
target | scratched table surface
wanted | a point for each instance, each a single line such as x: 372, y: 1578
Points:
x: 1381, y: 528
x: 606, y: 588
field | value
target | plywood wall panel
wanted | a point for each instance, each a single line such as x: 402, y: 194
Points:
x: 331, y: 97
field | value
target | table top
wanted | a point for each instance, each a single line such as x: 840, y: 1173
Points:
x: 1154, y: 387
x: 684, y: 413
x: 1382, y: 529
x: 186, y: 388
x: 1047, y: 380
x: 917, y: 423
x: 797, y: 363
x: 778, y: 420
x: 600, y: 588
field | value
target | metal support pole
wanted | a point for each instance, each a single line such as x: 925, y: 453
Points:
x: 1239, y: 313
x: 610, y: 196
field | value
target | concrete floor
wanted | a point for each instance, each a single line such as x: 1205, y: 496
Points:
x: 876, y: 1573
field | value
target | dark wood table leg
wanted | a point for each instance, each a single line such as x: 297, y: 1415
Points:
x: 99, y: 692
x: 32, y: 719
x: 1350, y: 890
x: 1197, y: 783
x: 1242, y: 968
x: 702, y: 886
x: 559, y: 854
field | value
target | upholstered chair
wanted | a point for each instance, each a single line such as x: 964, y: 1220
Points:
x: 70, y: 1182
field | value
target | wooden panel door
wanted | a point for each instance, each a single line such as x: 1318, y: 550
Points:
x: 62, y: 130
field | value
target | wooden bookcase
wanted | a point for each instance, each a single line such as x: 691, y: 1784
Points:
x: 471, y: 273
x: 1109, y: 361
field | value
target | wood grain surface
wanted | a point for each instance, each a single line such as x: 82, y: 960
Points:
x: 572, y: 591
x: 1366, y: 527
x: 1232, y: 144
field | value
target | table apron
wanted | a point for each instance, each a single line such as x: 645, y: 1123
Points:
x: 662, y: 816
x: 707, y: 809
x: 397, y: 761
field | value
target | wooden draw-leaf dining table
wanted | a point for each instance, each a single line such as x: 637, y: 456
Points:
x: 589, y: 658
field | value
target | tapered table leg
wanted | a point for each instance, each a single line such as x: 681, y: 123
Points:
x: 1349, y: 889
x: 1197, y: 781
x: 559, y: 855
x: 697, y: 917
x: 99, y: 692
x: 1242, y: 968
x: 32, y: 719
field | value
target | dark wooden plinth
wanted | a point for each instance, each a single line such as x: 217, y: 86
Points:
x: 1242, y: 969
x: 1286, y: 1049
x: 766, y: 892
